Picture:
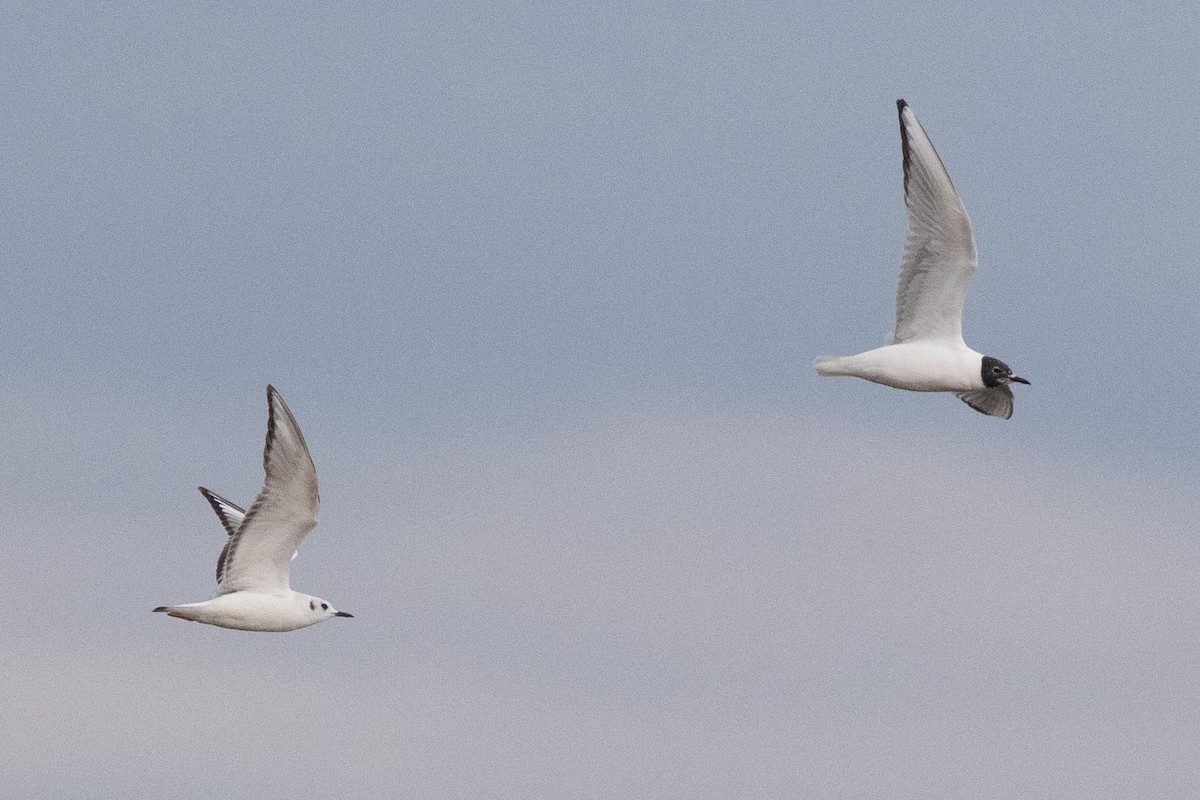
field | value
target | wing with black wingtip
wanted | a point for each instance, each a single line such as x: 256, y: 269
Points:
x: 230, y: 514
x: 939, y: 253
x: 257, y: 556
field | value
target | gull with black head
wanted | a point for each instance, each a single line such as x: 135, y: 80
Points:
x: 927, y: 352
x: 253, y: 573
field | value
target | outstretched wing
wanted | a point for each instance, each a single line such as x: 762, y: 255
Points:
x: 939, y: 254
x: 258, y: 554
x: 996, y: 401
x: 230, y: 513
x: 231, y: 516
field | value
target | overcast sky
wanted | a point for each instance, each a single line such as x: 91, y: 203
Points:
x: 543, y: 284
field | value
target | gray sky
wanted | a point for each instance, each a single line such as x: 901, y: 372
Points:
x: 543, y: 285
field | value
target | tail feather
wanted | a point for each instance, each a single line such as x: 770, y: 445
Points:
x: 829, y: 365
x: 176, y: 611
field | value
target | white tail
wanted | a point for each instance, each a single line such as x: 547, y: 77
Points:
x: 830, y: 365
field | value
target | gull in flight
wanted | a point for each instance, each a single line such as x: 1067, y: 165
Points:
x: 927, y: 352
x: 253, y: 588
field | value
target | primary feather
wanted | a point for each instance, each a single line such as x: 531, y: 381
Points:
x: 258, y: 554
x: 939, y: 253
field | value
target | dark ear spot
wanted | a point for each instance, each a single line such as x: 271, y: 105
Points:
x: 312, y: 605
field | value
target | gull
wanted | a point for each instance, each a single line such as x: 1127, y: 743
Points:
x: 253, y: 588
x: 927, y: 352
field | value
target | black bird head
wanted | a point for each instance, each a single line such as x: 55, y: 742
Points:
x: 996, y: 373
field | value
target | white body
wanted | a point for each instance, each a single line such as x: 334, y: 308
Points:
x: 253, y: 584
x: 255, y: 611
x: 917, y: 366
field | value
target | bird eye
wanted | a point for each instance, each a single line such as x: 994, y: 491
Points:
x: 324, y: 606
x: 995, y: 370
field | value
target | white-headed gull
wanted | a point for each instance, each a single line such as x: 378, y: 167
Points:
x: 253, y: 588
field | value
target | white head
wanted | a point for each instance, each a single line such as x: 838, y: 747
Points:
x: 320, y: 609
